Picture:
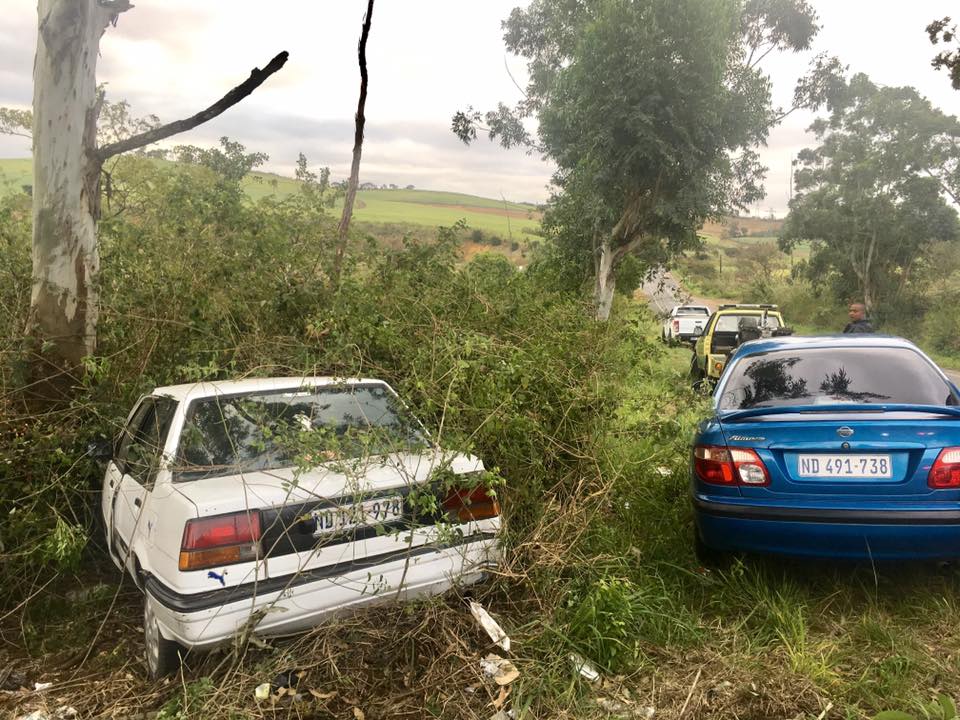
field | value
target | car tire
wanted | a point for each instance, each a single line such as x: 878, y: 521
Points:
x: 707, y: 556
x: 696, y: 374
x: 163, y: 656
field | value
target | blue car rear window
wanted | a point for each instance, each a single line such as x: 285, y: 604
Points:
x: 805, y: 376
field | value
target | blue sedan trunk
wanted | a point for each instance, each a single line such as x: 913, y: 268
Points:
x: 808, y: 471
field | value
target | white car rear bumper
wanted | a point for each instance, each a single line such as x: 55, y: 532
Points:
x: 299, y: 602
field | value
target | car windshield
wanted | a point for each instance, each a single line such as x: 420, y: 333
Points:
x: 825, y: 376
x: 731, y: 323
x: 244, y: 433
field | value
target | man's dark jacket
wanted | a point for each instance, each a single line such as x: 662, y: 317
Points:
x: 859, y: 326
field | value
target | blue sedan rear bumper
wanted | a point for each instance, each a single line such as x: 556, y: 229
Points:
x: 854, y: 534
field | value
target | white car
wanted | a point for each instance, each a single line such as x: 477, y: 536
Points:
x: 685, y: 323
x: 266, y: 505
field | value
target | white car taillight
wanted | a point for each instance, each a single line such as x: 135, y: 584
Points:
x: 220, y: 540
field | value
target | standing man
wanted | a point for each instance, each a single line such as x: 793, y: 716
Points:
x: 858, y: 319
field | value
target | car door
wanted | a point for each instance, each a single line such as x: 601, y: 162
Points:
x: 702, y: 348
x: 136, y: 463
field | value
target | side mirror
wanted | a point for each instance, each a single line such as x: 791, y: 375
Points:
x: 697, y: 331
x: 100, y: 450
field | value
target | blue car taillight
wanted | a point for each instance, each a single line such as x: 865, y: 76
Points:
x: 729, y: 466
x: 945, y: 472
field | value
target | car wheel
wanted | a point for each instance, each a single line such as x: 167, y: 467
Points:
x: 696, y: 374
x: 708, y: 556
x: 163, y: 656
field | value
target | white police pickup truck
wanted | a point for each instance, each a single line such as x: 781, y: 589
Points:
x: 685, y: 323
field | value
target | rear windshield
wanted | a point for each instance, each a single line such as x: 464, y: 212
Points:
x: 693, y: 311
x: 835, y: 375
x: 731, y: 323
x: 246, y: 433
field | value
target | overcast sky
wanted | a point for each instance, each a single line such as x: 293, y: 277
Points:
x: 426, y: 58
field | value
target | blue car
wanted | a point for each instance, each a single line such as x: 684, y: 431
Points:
x: 844, y: 447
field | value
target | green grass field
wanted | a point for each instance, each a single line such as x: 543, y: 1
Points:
x: 425, y: 208
x: 14, y: 174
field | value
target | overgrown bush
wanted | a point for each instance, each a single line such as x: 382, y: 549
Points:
x: 199, y: 283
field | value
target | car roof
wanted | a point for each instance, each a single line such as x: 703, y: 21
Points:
x: 836, y: 340
x: 192, y: 391
x: 741, y: 310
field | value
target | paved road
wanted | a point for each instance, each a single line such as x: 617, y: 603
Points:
x: 664, y: 292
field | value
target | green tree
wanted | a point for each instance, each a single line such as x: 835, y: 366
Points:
x: 651, y: 110
x: 872, y: 196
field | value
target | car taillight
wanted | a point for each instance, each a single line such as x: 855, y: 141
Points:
x: 466, y: 504
x: 220, y: 540
x: 729, y: 466
x: 945, y: 472
x: 676, y: 326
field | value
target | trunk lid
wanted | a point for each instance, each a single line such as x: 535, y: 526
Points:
x: 851, y: 455
x: 336, y: 513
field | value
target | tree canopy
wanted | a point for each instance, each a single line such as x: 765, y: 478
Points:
x: 651, y: 110
x: 873, y: 195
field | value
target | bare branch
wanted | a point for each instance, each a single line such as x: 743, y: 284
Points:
x: 257, y: 77
x: 357, y: 147
x: 512, y: 78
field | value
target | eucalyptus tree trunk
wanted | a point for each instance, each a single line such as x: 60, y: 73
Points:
x: 66, y: 171
x: 605, y: 280
x: 66, y: 185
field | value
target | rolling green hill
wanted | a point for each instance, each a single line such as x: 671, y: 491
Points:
x: 14, y: 174
x: 425, y: 208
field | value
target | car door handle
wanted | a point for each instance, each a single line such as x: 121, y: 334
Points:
x: 136, y: 501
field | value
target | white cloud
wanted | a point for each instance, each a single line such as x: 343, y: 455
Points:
x: 427, y: 59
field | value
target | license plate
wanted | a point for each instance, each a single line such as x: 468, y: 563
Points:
x: 346, y: 517
x: 842, y: 466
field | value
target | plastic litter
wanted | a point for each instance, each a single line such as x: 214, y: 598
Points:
x: 40, y: 687
x: 496, y: 633
x: 583, y: 667
x: 500, y: 669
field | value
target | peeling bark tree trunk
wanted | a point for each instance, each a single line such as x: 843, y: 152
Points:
x: 66, y: 186
x: 605, y: 280
x: 66, y: 172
